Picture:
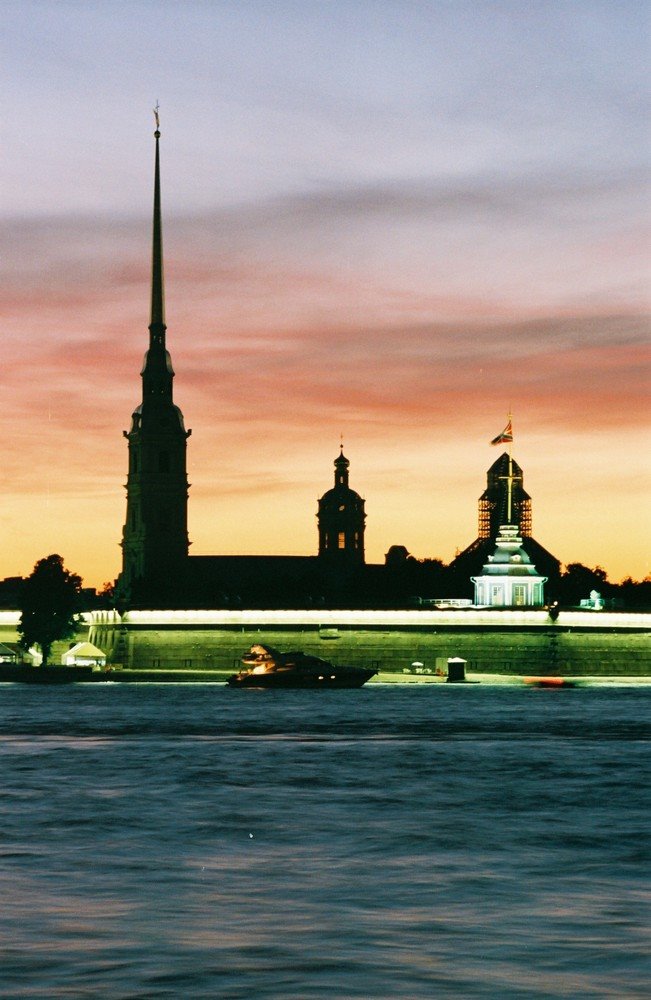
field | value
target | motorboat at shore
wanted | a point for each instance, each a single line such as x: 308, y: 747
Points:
x: 266, y: 667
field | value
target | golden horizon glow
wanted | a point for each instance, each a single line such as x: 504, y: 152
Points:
x: 420, y: 462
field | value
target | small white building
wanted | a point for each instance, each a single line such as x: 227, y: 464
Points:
x: 509, y: 578
x: 84, y: 654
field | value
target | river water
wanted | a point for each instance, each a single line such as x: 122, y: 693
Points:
x: 191, y: 841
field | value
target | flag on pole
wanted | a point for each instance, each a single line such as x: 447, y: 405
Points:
x: 506, y: 436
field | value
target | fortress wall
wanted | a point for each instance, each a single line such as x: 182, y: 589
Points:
x: 569, y: 647
x: 8, y: 633
x: 488, y: 650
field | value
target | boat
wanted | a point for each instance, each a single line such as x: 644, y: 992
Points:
x: 266, y: 667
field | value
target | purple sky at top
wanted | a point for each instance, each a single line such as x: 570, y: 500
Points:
x: 264, y: 99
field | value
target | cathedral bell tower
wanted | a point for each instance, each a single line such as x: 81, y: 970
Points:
x: 341, y: 520
x: 504, y: 500
x: 155, y: 534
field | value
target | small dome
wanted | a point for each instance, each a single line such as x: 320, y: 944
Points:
x: 341, y: 494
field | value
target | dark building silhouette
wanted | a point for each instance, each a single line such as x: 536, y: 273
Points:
x: 493, y: 503
x: 337, y: 576
x: 158, y: 571
x: 341, y: 520
x: 10, y: 591
x: 155, y: 534
x: 493, y: 513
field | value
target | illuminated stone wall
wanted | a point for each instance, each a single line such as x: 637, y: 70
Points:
x: 173, y: 641
x: 580, y: 643
x: 8, y: 633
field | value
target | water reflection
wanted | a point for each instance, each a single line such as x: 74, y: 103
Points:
x: 166, y: 843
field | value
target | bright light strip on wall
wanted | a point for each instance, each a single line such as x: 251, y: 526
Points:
x: 376, y: 619
x: 360, y: 619
x: 330, y: 619
x: 11, y: 618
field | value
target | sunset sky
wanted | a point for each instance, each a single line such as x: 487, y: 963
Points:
x: 387, y: 220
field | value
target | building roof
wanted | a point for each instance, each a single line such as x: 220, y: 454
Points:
x: 85, y: 649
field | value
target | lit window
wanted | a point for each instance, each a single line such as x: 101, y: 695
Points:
x: 342, y: 539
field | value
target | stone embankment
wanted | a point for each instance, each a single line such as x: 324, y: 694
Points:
x: 402, y: 645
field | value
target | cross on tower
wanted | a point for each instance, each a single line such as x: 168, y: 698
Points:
x: 510, y: 479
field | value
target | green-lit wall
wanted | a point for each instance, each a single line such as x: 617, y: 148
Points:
x: 8, y: 634
x: 592, y: 651
x: 508, y: 650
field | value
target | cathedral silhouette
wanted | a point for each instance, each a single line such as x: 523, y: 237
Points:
x: 159, y: 572
x: 493, y: 513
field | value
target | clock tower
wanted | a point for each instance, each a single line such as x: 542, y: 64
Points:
x: 341, y: 520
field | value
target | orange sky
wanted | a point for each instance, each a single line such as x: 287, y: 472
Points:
x: 340, y: 258
x: 273, y: 362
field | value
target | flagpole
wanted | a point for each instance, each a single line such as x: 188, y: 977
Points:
x: 507, y: 437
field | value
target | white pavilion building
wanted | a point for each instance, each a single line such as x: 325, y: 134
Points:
x: 509, y: 578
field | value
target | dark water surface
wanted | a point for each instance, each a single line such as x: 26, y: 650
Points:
x: 393, y: 842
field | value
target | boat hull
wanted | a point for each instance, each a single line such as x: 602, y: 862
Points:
x: 266, y: 667
x: 295, y: 677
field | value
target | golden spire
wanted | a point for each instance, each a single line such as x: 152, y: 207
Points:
x: 157, y: 315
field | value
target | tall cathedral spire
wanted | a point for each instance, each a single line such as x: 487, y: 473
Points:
x: 157, y: 372
x: 155, y: 537
x: 157, y: 315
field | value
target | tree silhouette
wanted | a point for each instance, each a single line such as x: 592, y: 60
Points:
x: 50, y: 600
x: 578, y: 581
